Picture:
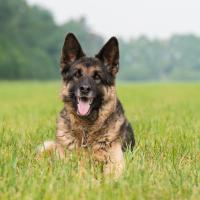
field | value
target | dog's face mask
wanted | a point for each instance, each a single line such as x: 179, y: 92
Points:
x: 86, y: 79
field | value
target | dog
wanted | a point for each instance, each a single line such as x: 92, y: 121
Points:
x: 92, y: 119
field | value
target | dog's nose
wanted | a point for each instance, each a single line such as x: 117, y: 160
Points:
x: 85, y: 89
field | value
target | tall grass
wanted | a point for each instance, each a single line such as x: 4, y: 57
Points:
x: 165, y: 163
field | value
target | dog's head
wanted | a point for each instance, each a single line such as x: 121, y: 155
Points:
x: 86, y: 80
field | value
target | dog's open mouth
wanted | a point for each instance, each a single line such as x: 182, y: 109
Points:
x: 84, y: 105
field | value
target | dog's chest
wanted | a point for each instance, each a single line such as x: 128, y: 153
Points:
x: 88, y: 138
x: 73, y: 133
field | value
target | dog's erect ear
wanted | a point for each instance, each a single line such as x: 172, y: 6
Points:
x: 109, y: 54
x: 71, y: 50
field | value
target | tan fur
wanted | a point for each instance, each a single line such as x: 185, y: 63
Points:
x: 103, y: 140
x: 115, y: 165
x: 51, y: 147
x: 90, y: 70
x: 101, y: 134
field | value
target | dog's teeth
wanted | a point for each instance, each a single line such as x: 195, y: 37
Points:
x: 91, y: 101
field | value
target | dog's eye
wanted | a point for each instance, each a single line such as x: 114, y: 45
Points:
x: 77, y: 74
x: 97, y: 78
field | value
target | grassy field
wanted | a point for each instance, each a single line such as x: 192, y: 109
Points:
x: 165, y: 163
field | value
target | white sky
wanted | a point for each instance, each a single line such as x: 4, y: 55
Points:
x: 130, y: 18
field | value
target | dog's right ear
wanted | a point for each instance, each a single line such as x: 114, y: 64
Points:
x: 71, y: 51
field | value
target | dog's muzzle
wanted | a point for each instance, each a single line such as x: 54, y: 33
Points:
x: 85, y: 99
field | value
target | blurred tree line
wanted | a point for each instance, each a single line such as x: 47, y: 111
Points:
x: 177, y: 58
x: 30, y: 41
x: 30, y: 44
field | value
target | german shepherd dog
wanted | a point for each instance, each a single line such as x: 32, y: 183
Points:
x: 92, y: 119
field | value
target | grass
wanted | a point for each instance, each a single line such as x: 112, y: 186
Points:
x: 165, y: 163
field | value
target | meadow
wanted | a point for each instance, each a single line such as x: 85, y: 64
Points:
x: 165, y: 163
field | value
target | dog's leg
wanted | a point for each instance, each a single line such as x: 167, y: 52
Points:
x: 50, y: 147
x: 115, y: 163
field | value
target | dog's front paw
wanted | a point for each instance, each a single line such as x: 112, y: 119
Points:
x: 50, y: 147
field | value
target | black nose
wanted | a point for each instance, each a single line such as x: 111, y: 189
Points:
x: 85, y: 89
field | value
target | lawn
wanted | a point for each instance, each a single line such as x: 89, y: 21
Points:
x: 165, y: 163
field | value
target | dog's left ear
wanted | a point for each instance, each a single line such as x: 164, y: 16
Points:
x: 109, y: 54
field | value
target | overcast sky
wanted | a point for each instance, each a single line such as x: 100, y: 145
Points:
x: 130, y: 18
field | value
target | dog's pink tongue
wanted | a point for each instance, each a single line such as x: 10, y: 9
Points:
x: 83, y: 107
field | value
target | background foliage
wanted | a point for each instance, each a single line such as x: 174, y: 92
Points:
x: 30, y: 43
